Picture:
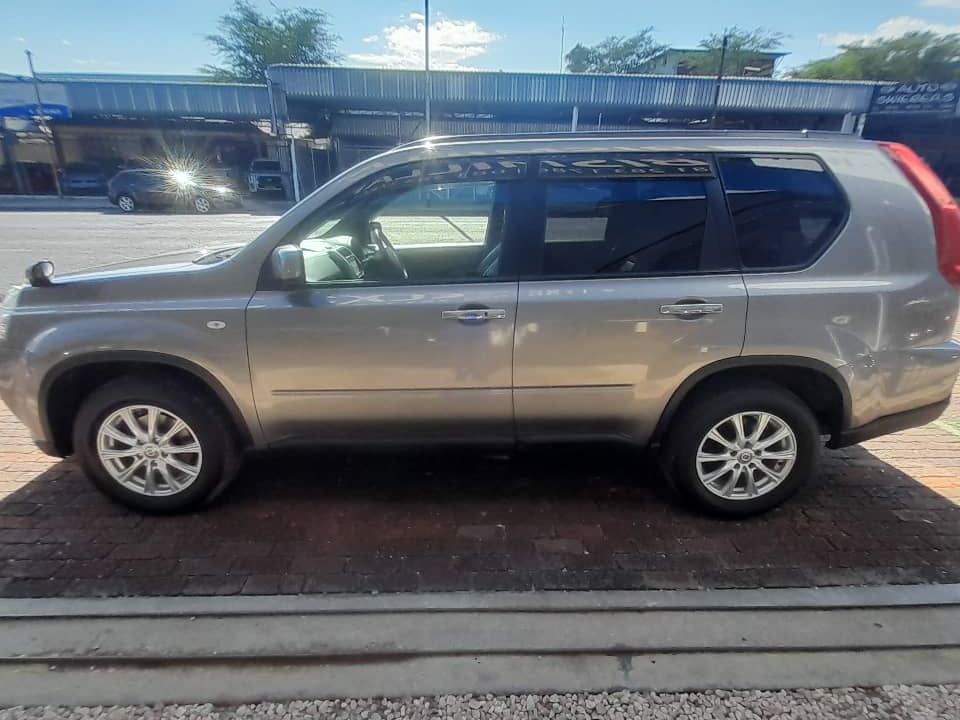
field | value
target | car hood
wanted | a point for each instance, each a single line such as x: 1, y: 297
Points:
x: 167, y: 262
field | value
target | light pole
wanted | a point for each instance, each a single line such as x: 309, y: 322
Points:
x: 426, y: 64
x: 47, y: 132
x: 716, y: 88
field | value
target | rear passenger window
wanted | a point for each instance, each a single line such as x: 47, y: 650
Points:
x: 786, y: 210
x: 624, y: 226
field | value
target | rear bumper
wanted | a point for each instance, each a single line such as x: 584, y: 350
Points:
x: 889, y: 424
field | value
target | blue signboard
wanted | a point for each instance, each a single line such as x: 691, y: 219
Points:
x: 919, y: 97
x: 28, y: 112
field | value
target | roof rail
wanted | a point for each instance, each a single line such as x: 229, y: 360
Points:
x: 640, y: 132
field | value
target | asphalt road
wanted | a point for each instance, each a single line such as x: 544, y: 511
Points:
x: 75, y: 240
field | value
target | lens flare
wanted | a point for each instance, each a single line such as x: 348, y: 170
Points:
x: 182, y: 177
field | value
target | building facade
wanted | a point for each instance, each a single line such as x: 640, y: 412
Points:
x: 319, y: 120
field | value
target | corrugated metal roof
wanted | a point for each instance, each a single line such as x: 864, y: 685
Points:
x: 642, y: 92
x: 167, y: 99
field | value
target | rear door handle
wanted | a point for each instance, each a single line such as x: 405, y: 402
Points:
x: 688, y: 309
x: 473, y: 315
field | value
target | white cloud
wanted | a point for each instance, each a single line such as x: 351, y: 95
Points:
x: 370, y: 39
x: 951, y: 4
x: 453, y: 43
x: 21, y: 40
x: 892, y: 28
x: 66, y: 43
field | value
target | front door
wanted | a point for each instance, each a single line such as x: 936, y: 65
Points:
x: 403, y: 327
x: 635, y: 286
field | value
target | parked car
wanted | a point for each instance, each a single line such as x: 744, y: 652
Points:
x: 265, y: 176
x: 83, y: 179
x: 729, y: 299
x: 132, y: 190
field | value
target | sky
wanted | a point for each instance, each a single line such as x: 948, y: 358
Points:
x: 511, y: 35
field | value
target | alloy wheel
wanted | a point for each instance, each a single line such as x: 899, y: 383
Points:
x: 201, y: 205
x: 126, y: 203
x: 746, y: 455
x: 149, y: 450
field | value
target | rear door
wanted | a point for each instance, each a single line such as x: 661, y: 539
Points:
x: 635, y: 286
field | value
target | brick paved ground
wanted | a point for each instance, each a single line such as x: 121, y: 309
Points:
x: 573, y: 519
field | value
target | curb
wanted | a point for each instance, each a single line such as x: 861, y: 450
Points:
x: 234, y: 650
x: 544, y: 601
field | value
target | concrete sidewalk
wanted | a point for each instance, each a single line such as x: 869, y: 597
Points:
x: 53, y: 203
x: 231, y: 650
x: 70, y: 203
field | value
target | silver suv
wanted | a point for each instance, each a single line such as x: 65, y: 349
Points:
x: 733, y: 299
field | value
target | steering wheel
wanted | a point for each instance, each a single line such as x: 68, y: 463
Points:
x: 392, y: 265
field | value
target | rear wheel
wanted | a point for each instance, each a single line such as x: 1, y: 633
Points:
x: 126, y: 203
x: 743, y: 451
x: 153, y: 445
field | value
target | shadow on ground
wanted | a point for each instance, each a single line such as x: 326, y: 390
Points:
x: 587, y: 518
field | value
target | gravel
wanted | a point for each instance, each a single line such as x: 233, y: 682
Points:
x: 894, y: 701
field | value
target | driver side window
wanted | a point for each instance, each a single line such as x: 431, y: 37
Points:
x: 439, y: 214
x: 414, y: 224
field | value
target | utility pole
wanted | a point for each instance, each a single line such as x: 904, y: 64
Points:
x: 716, y: 89
x: 426, y: 64
x: 563, y: 32
x: 47, y: 131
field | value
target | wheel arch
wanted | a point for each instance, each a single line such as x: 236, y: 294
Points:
x: 74, y: 379
x: 804, y: 376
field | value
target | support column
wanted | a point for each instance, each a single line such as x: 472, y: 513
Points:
x: 575, y: 118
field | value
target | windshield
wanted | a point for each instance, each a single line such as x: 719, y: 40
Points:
x: 264, y: 166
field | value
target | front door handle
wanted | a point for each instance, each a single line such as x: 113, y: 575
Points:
x: 473, y: 315
x: 688, y: 309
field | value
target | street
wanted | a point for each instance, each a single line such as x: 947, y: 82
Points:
x: 80, y: 239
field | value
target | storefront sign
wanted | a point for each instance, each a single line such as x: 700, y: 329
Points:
x: 19, y: 100
x: 924, y: 97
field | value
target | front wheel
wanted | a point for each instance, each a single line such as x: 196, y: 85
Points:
x: 202, y: 205
x: 153, y: 445
x: 743, y: 451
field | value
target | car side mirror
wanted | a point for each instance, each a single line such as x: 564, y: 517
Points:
x: 286, y: 262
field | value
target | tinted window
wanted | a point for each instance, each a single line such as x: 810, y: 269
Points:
x: 785, y: 210
x: 609, y: 227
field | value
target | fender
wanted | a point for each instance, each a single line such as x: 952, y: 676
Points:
x: 746, y: 362
x: 148, y: 357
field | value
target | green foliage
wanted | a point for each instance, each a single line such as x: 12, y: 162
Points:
x: 249, y: 41
x: 617, y: 54
x: 745, y: 50
x: 916, y: 56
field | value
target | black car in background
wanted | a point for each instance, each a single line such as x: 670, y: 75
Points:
x: 83, y: 179
x: 131, y: 190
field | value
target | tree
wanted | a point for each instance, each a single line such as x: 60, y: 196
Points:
x: 616, y: 54
x: 914, y: 57
x: 745, y: 49
x: 249, y: 41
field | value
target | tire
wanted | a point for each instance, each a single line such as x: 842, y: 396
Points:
x: 771, y: 481
x: 201, y: 205
x: 126, y: 203
x: 168, y: 488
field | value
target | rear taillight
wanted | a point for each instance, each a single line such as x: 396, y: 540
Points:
x: 943, y: 207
